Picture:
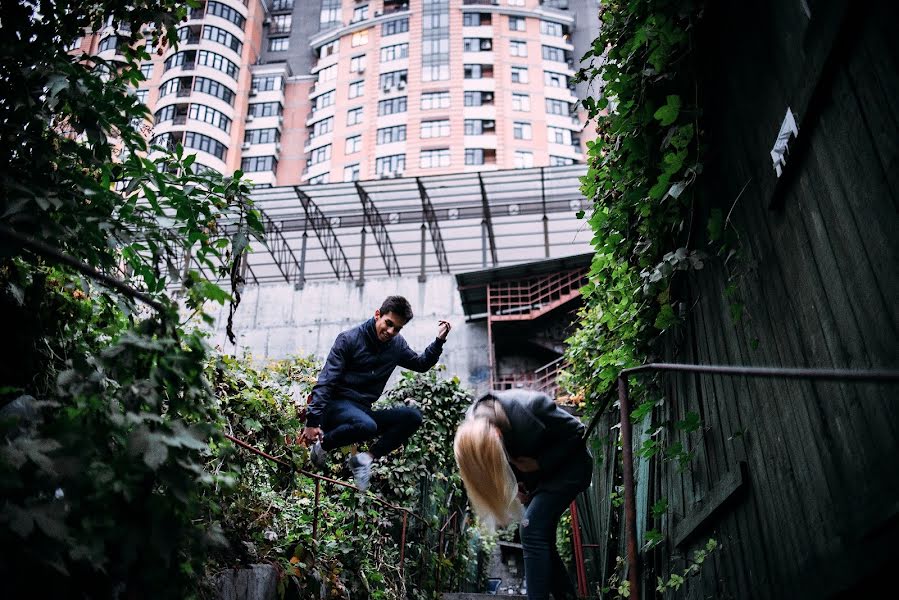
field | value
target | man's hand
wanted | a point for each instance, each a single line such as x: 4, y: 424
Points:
x: 443, y: 329
x: 311, y: 435
x: 525, y: 464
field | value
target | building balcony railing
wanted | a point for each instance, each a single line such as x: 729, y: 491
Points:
x: 182, y: 92
x: 279, y: 30
x: 179, y: 119
x: 482, y: 2
x: 281, y: 6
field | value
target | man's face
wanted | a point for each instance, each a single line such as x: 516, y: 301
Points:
x: 388, y: 325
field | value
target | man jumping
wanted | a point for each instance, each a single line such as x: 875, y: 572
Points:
x: 358, y: 367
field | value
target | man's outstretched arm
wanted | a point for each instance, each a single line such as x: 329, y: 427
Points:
x: 409, y: 359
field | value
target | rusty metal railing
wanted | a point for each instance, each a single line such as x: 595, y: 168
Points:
x: 630, y: 507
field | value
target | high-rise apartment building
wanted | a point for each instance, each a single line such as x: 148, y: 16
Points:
x: 318, y: 91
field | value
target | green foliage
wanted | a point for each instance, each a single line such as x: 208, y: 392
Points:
x: 268, y: 515
x: 106, y: 417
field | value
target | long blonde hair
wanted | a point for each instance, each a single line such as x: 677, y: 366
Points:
x: 486, y: 473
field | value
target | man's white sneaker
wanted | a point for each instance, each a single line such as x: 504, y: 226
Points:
x: 360, y: 465
x: 318, y: 455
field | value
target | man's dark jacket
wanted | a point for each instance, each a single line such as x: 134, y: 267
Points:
x: 359, y: 366
x: 540, y: 429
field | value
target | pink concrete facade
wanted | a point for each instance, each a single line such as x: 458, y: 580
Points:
x: 397, y: 88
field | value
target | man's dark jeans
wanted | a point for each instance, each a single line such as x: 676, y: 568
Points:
x: 348, y: 423
x: 544, y: 571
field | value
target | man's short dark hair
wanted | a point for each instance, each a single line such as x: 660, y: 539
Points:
x: 398, y: 306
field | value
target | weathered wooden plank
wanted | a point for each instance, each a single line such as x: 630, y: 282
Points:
x: 725, y: 490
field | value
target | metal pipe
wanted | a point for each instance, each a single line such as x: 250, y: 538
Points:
x: 403, y: 543
x: 578, y: 544
x: 302, y: 282
x: 421, y: 274
x: 361, y: 281
x: 884, y: 375
x: 630, y: 505
x: 318, y: 487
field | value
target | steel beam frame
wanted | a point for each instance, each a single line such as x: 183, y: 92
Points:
x: 379, y: 230
x: 429, y: 216
x: 326, y: 236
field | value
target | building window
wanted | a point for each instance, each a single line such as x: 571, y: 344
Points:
x: 329, y: 49
x: 360, y: 38
x: 262, y: 136
x: 385, y: 165
x: 351, y: 172
x: 478, y: 98
x: 327, y: 74
x: 555, y: 54
x: 146, y: 70
x: 393, y: 79
x: 198, y: 141
x: 521, y: 130
x: 392, y: 106
x: 556, y: 80
x: 395, y: 52
x: 357, y: 88
x: 265, y: 109
x: 279, y: 5
x: 325, y: 100
x: 477, y: 44
x: 213, y: 88
x: 517, y: 2
x: 435, y: 72
x: 473, y: 19
x: 223, y: 37
x: 517, y: 24
x: 354, y: 116
x: 319, y: 179
x: 266, y: 83
x: 357, y: 64
x: 433, y: 129
x: 439, y: 157
x: 278, y: 44
x: 521, y: 102
x: 320, y: 154
x: 560, y: 161
x: 474, y: 156
x: 478, y: 71
x: 141, y: 95
x: 394, y: 27
x: 330, y: 14
x: 360, y: 13
x: 76, y: 44
x: 432, y: 100
x: 322, y: 127
x: 225, y: 12
x: 388, y: 135
x: 518, y: 48
x: 557, y: 107
x: 280, y: 25
x: 353, y: 144
x: 479, y: 126
x: 108, y: 43
x: 524, y: 159
x: 519, y: 74
x: 553, y: 29
x: 217, y: 62
x: 255, y: 164
x: 558, y: 135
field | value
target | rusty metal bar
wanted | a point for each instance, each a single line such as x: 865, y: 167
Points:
x: 578, y: 544
x: 318, y: 489
x: 403, y: 543
x: 630, y: 502
x: 360, y: 281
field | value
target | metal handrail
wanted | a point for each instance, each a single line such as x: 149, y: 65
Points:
x: 630, y: 507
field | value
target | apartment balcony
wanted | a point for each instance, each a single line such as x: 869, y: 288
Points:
x: 281, y: 6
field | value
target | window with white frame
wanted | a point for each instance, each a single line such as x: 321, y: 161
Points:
x: 255, y: 164
x: 518, y: 48
x: 76, y: 44
x: 392, y: 106
x: 280, y: 25
x: 477, y: 44
x: 267, y: 83
x: 325, y: 100
x: 556, y: 80
x: 320, y: 154
x: 479, y: 126
x: 357, y: 64
x: 393, y: 79
x: 356, y: 89
x: 432, y: 100
x: 268, y: 135
x: 478, y: 71
x: 519, y: 74
x: 436, y: 157
x: 329, y: 49
x: 524, y: 159
x: 474, y: 156
x: 517, y: 24
x: 395, y: 163
x: 475, y: 19
x: 394, y: 27
x: 516, y: 2
x: 353, y: 144
x: 521, y: 102
x: 280, y: 44
x: 354, y: 116
x: 351, y: 172
x: 146, y: 69
x: 388, y: 135
x: 360, y: 13
x: 435, y: 128
x: 521, y: 130
x: 394, y: 52
x: 557, y: 107
x: 551, y: 28
x: 477, y: 98
x: 327, y: 74
x: 560, y: 161
x: 554, y: 54
x: 559, y: 135
x: 322, y: 127
x: 360, y: 38
x: 319, y: 179
x: 141, y: 95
